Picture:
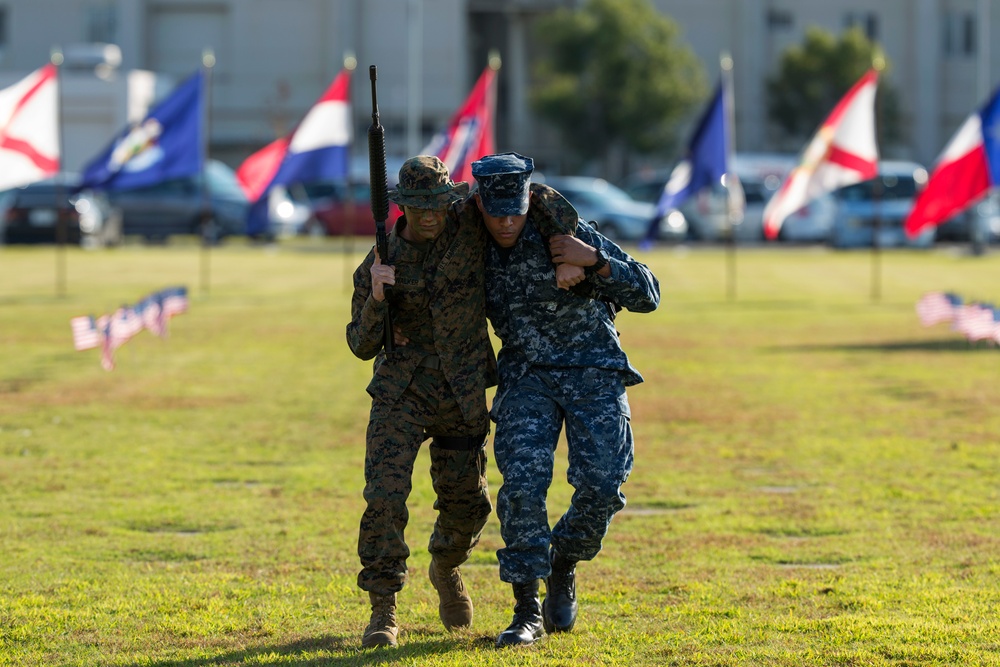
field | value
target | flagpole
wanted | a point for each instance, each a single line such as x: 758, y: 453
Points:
x: 56, y: 58
x: 726, y: 64
x: 207, y: 226
x: 876, y: 278
x: 979, y: 232
x: 347, y: 240
x: 415, y: 48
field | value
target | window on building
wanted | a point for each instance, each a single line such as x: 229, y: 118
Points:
x: 102, y: 23
x: 959, y: 34
x: 779, y: 19
x: 867, y: 21
x: 3, y: 31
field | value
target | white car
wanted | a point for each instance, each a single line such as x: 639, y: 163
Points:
x: 288, y: 215
x: 760, y: 174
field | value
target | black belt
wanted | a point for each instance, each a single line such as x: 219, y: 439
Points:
x: 431, y: 361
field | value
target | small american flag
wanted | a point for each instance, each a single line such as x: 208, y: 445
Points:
x: 936, y: 307
x: 85, y: 333
x: 152, y: 316
x: 975, y: 321
x: 107, y: 347
x: 109, y: 332
x: 175, y: 301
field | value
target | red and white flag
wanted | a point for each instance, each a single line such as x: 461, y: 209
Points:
x: 842, y: 152
x: 966, y: 169
x: 469, y: 135
x: 29, y: 129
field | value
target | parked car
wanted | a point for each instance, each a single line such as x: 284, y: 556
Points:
x: 884, y: 202
x: 760, y: 176
x: 289, y: 212
x: 175, y: 206
x: 619, y: 217
x: 983, y: 218
x: 32, y: 214
x: 345, y: 209
x: 331, y: 209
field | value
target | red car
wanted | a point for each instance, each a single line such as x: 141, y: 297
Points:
x: 346, y: 209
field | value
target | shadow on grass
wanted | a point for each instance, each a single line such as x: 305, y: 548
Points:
x: 410, y: 652
x: 796, y: 305
x: 949, y: 345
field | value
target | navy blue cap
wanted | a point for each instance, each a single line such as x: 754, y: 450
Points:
x: 503, y: 181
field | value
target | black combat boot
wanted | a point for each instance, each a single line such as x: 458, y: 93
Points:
x: 527, y: 625
x: 559, y: 609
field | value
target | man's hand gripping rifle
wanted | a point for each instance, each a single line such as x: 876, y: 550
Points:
x: 379, y: 197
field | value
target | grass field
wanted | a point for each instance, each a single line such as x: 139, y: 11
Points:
x: 816, y: 480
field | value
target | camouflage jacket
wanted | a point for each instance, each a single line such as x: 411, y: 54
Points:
x: 539, y: 324
x: 438, y: 302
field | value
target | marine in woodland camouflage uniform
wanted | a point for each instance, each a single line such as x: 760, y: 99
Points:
x: 432, y: 385
x: 560, y: 363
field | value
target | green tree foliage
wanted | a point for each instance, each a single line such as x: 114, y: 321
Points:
x: 614, y: 73
x: 813, y: 77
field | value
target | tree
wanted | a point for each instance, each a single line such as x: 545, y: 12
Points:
x: 613, y: 76
x: 813, y: 77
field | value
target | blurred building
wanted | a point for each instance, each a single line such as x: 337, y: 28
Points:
x: 274, y: 58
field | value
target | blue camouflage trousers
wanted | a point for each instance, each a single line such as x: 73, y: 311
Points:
x: 395, y: 432
x: 529, y: 415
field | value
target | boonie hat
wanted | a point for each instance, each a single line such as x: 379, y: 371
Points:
x: 503, y: 181
x: 424, y: 182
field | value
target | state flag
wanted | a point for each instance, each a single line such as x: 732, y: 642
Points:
x: 842, y: 152
x: 166, y: 144
x: 469, y: 134
x: 29, y: 129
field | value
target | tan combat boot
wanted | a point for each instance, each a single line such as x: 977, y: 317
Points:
x: 382, y: 628
x: 455, y: 608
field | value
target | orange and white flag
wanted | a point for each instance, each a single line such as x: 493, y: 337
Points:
x: 842, y: 152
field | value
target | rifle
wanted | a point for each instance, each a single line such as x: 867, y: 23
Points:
x: 379, y: 196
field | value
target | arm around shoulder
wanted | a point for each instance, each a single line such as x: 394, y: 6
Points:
x: 630, y: 283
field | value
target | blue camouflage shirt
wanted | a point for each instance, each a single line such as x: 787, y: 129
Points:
x: 539, y: 324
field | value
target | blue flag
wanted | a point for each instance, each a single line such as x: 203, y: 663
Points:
x: 167, y: 144
x: 705, y: 162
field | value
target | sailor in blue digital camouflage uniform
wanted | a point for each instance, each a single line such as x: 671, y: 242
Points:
x: 560, y: 362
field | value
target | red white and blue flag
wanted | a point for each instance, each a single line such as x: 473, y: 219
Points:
x: 974, y: 320
x: 85, y: 333
x: 109, y: 332
x: 968, y: 167
x: 29, y: 129
x: 936, y: 307
x: 317, y: 150
x: 842, y: 152
x: 469, y: 135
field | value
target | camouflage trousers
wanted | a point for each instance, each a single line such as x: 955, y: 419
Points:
x: 395, y: 432
x: 530, y: 414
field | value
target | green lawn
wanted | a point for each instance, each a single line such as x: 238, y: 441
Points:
x: 816, y: 478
